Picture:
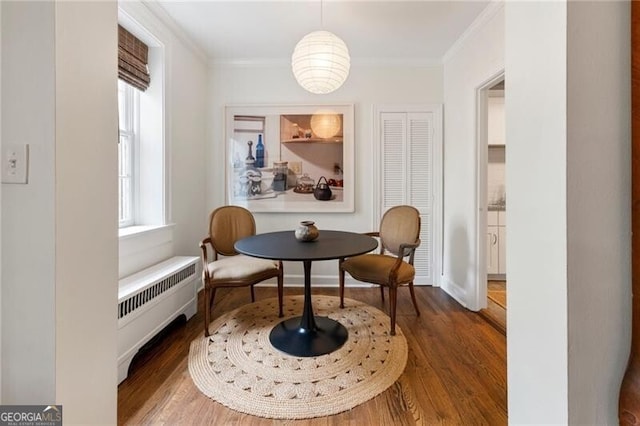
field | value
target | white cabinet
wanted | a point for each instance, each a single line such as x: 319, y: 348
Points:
x: 502, y: 249
x: 492, y: 250
x: 496, y: 242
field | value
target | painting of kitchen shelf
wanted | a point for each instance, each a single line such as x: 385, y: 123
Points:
x: 290, y: 158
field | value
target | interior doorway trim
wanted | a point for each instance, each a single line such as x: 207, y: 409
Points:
x: 482, y: 94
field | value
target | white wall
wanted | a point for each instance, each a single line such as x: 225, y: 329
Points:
x: 28, y: 220
x: 568, y: 169
x: 0, y: 209
x: 275, y: 84
x: 86, y: 240
x: 475, y: 59
x: 536, y: 127
x: 189, y: 163
x: 598, y: 207
x: 496, y: 175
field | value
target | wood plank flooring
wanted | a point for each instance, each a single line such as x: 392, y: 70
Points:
x: 496, y: 310
x: 497, y: 291
x: 455, y: 374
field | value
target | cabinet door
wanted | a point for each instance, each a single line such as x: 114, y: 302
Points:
x: 492, y: 250
x: 502, y: 249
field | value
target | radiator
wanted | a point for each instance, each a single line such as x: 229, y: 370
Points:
x: 149, y: 300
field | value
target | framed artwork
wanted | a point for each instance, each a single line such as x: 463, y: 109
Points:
x: 290, y: 158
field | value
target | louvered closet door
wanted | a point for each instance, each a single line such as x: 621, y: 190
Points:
x: 407, y: 176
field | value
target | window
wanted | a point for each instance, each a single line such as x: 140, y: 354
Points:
x: 142, y: 145
x: 129, y: 119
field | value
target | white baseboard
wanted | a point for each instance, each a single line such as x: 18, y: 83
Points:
x: 455, y: 291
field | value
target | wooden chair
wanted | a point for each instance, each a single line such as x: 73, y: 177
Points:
x: 399, y: 237
x: 227, y: 225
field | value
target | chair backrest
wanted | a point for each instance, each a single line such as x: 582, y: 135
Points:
x: 400, y: 224
x: 229, y: 224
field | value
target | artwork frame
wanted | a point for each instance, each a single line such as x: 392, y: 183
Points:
x: 277, y: 155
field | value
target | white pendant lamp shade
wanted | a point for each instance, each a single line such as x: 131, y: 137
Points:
x: 320, y: 62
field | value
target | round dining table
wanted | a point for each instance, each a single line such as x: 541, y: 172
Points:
x: 307, y: 335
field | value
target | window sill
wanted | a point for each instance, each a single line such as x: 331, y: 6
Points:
x: 140, y: 230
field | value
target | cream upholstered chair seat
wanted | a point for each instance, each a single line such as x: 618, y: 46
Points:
x: 228, y: 268
x: 240, y: 267
x: 399, y: 237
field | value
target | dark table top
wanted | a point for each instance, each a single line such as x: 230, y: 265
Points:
x: 284, y: 246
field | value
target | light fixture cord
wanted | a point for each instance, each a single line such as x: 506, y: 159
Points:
x: 321, y: 15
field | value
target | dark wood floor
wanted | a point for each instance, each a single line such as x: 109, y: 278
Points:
x: 455, y: 374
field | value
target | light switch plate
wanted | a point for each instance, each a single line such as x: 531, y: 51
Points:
x: 15, y: 163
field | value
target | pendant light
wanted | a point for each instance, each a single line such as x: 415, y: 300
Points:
x: 320, y: 61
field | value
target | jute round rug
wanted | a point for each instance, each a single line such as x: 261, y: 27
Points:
x: 238, y: 367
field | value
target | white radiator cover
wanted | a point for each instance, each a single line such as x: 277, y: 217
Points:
x: 149, y: 300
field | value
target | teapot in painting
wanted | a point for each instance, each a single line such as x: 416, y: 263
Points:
x: 322, y: 191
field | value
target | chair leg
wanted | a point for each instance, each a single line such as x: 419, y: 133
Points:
x: 280, y: 292
x: 393, y: 298
x: 253, y: 294
x: 212, y: 295
x: 208, y: 308
x: 341, y: 281
x: 413, y: 297
x: 207, y: 313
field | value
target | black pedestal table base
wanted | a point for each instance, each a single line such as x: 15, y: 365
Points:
x: 308, y: 335
x: 292, y: 339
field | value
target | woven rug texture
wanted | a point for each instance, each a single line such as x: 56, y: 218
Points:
x: 238, y: 367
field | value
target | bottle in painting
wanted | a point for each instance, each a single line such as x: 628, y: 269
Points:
x: 250, y: 156
x: 259, y: 153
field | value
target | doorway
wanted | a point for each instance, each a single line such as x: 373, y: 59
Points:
x: 492, y: 200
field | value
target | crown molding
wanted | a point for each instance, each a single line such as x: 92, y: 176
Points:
x: 485, y: 16
x: 159, y: 13
x: 398, y: 62
x: 250, y: 62
x: 356, y: 62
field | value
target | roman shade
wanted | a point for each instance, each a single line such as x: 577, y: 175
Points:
x: 132, y: 60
